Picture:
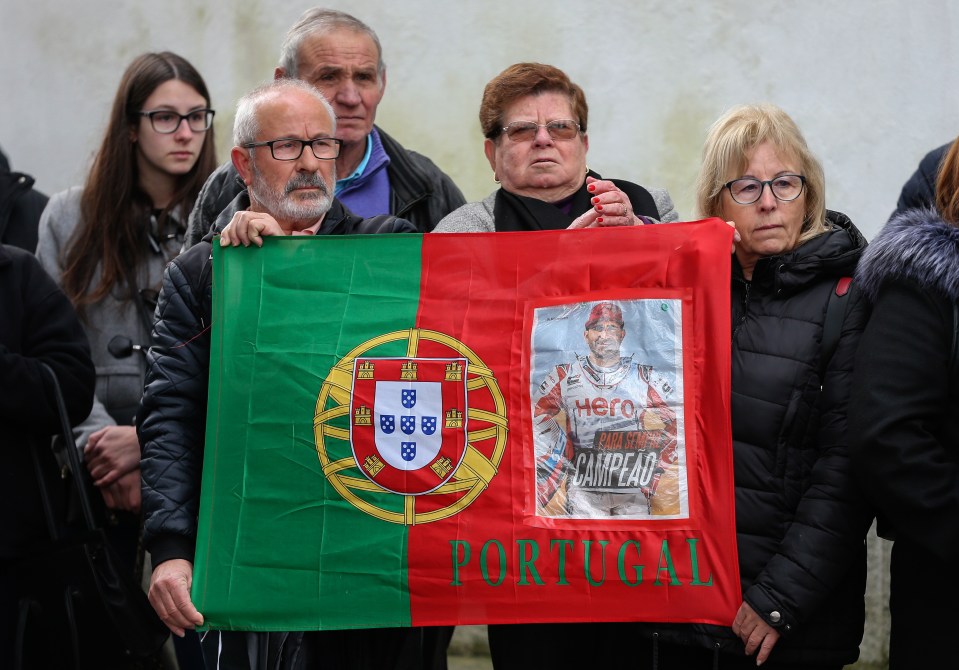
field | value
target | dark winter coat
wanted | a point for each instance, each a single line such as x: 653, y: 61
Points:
x: 420, y: 192
x: 171, y: 422
x: 800, y: 520
x: 905, y: 426
x: 20, y: 210
x: 919, y: 191
x: 37, y: 325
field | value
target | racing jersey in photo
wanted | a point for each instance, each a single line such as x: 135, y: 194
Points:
x: 602, y: 429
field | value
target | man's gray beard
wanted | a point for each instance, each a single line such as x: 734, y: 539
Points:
x: 282, y: 206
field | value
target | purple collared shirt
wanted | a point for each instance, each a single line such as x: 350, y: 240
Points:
x: 366, y: 192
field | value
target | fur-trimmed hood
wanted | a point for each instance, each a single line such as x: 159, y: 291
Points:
x: 916, y: 245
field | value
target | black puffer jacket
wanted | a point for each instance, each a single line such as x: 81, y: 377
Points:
x: 905, y: 426
x: 420, y: 192
x: 800, y: 521
x: 919, y: 191
x: 171, y: 422
x: 906, y: 443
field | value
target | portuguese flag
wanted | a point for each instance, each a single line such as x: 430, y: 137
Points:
x: 470, y: 428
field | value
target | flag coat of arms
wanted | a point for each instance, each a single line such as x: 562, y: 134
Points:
x: 410, y: 445
x: 470, y: 428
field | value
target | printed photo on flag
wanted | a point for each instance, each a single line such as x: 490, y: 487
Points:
x: 607, y: 409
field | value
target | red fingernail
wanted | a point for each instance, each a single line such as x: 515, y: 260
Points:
x: 591, y: 187
x: 599, y: 208
x: 599, y: 220
x: 595, y: 200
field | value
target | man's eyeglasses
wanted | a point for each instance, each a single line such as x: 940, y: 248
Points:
x: 524, y: 131
x: 324, y: 148
x: 747, y: 190
x: 165, y: 121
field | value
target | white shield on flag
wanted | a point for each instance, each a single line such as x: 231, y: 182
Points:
x: 392, y: 406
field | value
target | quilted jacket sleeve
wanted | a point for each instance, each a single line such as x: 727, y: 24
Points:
x: 172, y: 417
x: 826, y: 535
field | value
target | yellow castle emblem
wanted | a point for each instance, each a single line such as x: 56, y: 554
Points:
x: 454, y: 372
x: 373, y: 465
x: 442, y: 467
x: 362, y: 416
x: 454, y: 419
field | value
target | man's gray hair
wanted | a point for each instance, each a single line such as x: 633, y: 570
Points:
x: 320, y: 21
x: 246, y: 126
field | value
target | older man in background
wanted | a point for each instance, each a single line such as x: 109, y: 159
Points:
x: 341, y: 56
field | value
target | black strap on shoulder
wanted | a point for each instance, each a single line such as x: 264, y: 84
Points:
x: 72, y: 457
x: 832, y: 324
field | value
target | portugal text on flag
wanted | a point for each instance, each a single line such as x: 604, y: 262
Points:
x: 405, y: 429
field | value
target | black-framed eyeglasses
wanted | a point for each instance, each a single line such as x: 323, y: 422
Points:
x: 748, y: 190
x: 289, y: 149
x: 165, y: 121
x: 524, y: 131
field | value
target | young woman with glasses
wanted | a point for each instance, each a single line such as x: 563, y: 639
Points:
x: 108, y: 242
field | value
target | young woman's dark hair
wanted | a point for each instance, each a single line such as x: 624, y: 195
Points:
x: 112, y: 234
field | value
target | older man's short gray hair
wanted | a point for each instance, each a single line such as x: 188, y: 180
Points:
x: 246, y: 126
x: 320, y: 21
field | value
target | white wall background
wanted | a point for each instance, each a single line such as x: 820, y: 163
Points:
x: 870, y: 83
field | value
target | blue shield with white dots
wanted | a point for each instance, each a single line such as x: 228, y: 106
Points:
x: 403, y: 439
x: 387, y: 423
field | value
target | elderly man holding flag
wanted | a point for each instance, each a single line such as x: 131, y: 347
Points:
x: 285, y: 151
